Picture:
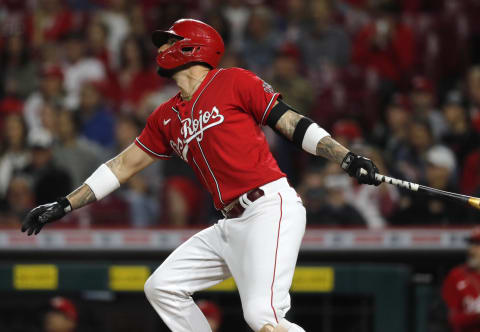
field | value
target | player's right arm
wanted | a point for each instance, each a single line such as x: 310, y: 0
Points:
x: 307, y: 135
x: 107, y: 178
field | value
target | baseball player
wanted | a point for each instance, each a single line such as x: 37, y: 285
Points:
x: 214, y: 124
x: 461, y: 290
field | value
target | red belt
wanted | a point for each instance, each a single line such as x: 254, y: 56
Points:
x: 235, y: 208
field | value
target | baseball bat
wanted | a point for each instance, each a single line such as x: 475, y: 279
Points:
x: 473, y: 201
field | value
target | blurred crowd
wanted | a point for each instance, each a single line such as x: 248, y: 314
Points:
x: 397, y: 81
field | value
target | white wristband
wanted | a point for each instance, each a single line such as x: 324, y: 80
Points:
x: 102, y: 182
x: 312, y: 136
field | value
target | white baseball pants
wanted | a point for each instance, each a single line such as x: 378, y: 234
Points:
x: 259, y: 250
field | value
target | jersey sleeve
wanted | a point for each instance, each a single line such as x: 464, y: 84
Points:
x: 152, y: 140
x: 256, y: 96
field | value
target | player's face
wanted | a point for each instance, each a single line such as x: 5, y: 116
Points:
x: 167, y: 45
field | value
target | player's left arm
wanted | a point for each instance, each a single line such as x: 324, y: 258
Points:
x: 306, y: 134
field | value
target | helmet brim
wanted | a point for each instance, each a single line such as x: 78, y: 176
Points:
x: 160, y: 37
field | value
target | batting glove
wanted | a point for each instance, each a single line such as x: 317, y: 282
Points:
x: 353, y: 164
x: 43, y: 214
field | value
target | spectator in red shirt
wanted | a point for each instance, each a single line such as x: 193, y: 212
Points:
x: 136, y: 77
x: 461, y: 290
x: 386, y: 46
x: 51, y: 21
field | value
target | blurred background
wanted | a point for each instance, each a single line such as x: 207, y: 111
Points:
x: 397, y: 81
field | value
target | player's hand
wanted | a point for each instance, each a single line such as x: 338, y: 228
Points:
x: 353, y: 164
x: 43, y: 214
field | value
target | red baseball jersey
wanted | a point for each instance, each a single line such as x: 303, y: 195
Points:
x: 218, y: 133
x: 461, y: 292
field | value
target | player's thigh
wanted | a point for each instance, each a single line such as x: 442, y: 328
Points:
x: 195, y: 265
x: 263, y: 256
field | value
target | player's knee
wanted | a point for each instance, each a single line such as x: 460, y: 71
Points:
x: 157, y: 289
x: 257, y: 315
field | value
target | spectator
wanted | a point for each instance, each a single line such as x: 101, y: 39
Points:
x: 141, y: 191
x: 51, y: 21
x: 386, y: 46
x: 261, y: 42
x: 51, y: 91
x: 394, y: 136
x: 73, y: 153
x: 115, y: 17
x: 136, y: 77
x: 431, y: 210
x: 213, y: 314
x: 19, y: 200
x: 44, y: 171
x: 409, y: 162
x: 474, y: 95
x: 460, y: 289
x: 470, y: 180
x: 14, y: 154
x: 96, y: 119
x: 17, y: 71
x: 287, y: 80
x: 62, y: 316
x: 295, y: 17
x: 79, y: 69
x: 375, y: 205
x: 460, y: 137
x: 324, y: 44
x: 423, y: 104
x: 323, y: 194
x: 237, y: 15
x: 183, y: 200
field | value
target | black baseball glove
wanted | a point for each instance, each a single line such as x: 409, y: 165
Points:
x: 43, y: 214
x: 353, y: 163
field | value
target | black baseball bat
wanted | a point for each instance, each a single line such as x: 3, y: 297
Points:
x: 473, y: 201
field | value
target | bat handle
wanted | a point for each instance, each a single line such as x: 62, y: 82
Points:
x: 378, y: 176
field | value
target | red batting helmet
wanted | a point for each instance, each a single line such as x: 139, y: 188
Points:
x: 197, y: 42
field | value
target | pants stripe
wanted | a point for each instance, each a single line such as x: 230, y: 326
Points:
x: 275, y: 264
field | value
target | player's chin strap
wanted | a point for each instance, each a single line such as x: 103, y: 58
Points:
x: 307, y: 133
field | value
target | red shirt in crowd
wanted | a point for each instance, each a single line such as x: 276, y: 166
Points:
x: 394, y: 60
x: 461, y: 292
x: 218, y: 133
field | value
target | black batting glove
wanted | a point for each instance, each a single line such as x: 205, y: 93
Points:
x: 43, y: 214
x: 353, y: 164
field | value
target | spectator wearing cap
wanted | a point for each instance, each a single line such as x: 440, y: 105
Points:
x: 44, y: 171
x: 212, y: 312
x: 461, y: 289
x: 440, y: 173
x: 460, y: 136
x: 62, y: 316
x: 79, y: 69
x: 423, y: 104
x: 51, y: 91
